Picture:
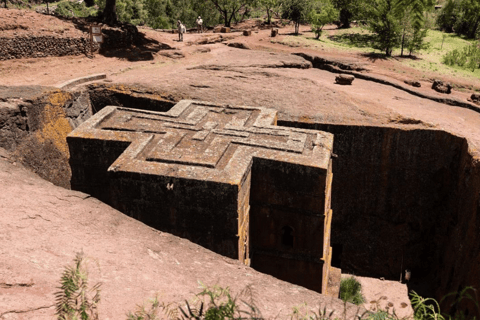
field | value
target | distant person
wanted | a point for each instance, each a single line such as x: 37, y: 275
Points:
x: 181, y: 30
x: 199, y: 24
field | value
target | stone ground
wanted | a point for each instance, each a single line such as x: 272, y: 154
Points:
x: 45, y: 225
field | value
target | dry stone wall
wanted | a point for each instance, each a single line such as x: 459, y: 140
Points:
x: 37, y: 46
x: 41, y: 46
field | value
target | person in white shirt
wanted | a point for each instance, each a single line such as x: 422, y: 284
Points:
x: 199, y: 24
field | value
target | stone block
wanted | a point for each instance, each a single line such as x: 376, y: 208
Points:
x: 440, y: 86
x: 475, y: 97
x: 225, y: 30
x: 274, y: 32
x: 247, y: 33
x: 344, y: 79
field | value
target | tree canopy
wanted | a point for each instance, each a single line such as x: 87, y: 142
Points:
x: 323, y: 12
x: 269, y: 6
x: 461, y: 17
x: 297, y: 11
x: 230, y: 8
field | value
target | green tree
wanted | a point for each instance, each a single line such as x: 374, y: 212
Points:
x: 269, y: 6
x: 228, y: 9
x: 417, y: 10
x: 296, y: 11
x: 385, y: 24
x: 323, y: 13
x: 468, y: 18
x: 349, y: 9
x: 209, y: 13
x: 413, y: 30
x: 109, y: 14
x: 411, y: 15
x: 446, y: 18
x: 461, y: 17
x: 131, y: 11
x: 156, y: 17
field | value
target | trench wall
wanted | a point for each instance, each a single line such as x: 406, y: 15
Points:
x: 405, y: 199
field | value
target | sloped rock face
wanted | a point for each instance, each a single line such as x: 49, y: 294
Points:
x: 35, y: 129
x: 13, y: 123
x: 405, y: 199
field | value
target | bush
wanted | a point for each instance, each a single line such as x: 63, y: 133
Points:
x: 351, y: 291
x: 74, y: 9
x: 468, y: 57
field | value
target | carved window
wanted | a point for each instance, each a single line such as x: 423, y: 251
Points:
x: 287, y: 236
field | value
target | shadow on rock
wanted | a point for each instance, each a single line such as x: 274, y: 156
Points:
x: 373, y: 56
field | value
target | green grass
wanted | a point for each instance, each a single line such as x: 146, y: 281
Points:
x: 357, y: 40
x: 343, y: 39
x: 431, y: 59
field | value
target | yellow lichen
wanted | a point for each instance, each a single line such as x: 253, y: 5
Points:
x: 306, y: 119
x: 55, y: 126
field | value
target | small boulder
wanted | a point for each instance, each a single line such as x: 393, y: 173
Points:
x: 344, y: 79
x: 247, y: 33
x: 274, y: 32
x: 441, y: 87
x: 475, y: 97
x: 413, y: 83
x: 225, y: 30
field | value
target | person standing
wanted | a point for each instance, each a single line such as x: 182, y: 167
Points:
x: 199, y: 24
x: 181, y: 30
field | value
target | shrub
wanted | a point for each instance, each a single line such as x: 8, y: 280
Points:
x: 76, y: 300
x: 351, y: 291
x: 74, y: 9
x: 468, y: 57
x: 425, y: 308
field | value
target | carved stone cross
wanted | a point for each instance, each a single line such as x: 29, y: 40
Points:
x: 224, y: 177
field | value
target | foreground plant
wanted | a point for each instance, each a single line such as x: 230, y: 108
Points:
x: 219, y: 304
x: 76, y: 300
x: 425, y: 308
x: 351, y: 291
x: 303, y: 313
